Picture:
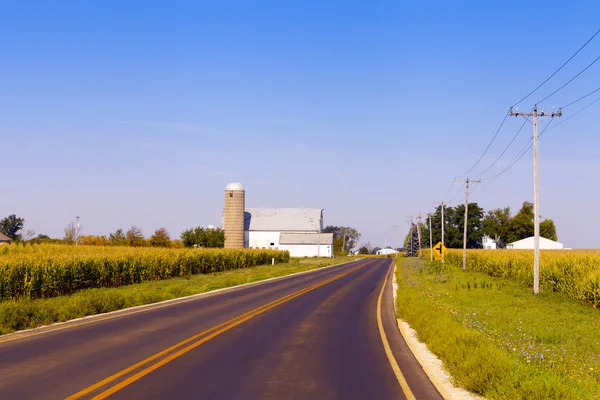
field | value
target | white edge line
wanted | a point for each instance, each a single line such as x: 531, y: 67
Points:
x: 26, y: 333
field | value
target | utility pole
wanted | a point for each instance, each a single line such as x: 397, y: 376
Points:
x: 536, y: 199
x: 443, y: 206
x: 419, y: 232
x: 77, y: 232
x: 430, y: 240
x: 466, y: 181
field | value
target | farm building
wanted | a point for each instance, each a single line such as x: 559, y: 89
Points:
x: 4, y: 239
x: 527, y: 244
x: 386, y: 251
x: 297, y: 230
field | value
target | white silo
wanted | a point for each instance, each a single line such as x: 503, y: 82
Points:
x: 233, y: 215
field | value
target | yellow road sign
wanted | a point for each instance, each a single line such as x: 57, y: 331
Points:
x: 439, y: 249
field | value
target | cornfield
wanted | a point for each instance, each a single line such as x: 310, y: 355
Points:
x: 49, y: 270
x: 575, y: 273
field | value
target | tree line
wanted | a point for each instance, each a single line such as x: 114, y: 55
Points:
x: 499, y: 224
x: 12, y: 226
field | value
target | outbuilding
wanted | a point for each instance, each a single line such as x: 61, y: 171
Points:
x: 527, y: 244
x: 4, y: 239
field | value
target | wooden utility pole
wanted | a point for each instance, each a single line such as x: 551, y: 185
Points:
x: 430, y: 240
x: 466, y: 181
x: 536, y: 199
x: 443, y: 206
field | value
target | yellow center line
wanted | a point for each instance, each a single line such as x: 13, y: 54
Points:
x: 217, y: 330
x: 388, y: 350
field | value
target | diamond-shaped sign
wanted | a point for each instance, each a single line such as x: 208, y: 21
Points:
x: 439, y: 249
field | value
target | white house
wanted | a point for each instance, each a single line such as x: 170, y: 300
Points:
x: 488, y: 243
x: 527, y: 244
x: 386, y: 251
x: 297, y: 230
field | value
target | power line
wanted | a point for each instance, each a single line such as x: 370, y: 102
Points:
x: 581, y: 98
x: 518, y: 156
x: 561, y: 67
x: 574, y: 114
x: 505, y: 149
x: 448, y: 191
x: 457, y: 193
x: 569, y: 81
x: 488, y: 146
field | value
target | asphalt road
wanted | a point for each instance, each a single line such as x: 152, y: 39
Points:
x: 328, y: 334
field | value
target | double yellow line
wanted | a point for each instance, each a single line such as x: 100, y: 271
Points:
x: 191, y: 343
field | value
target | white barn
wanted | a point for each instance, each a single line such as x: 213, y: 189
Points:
x: 297, y: 230
x: 527, y: 244
x: 386, y: 251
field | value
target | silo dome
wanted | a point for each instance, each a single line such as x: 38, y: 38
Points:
x: 234, y: 186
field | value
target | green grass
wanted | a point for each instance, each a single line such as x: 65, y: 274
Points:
x: 499, y: 340
x: 24, y: 313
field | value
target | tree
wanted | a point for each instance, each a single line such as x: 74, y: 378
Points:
x: 71, y: 233
x: 117, y: 238
x: 548, y: 229
x: 201, y: 237
x: 521, y: 225
x: 374, y: 250
x: 496, y: 225
x: 349, y: 237
x: 134, y: 236
x: 474, y: 231
x: 363, y: 250
x: 160, y: 238
x: 11, y: 226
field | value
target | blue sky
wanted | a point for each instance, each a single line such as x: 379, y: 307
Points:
x: 140, y: 112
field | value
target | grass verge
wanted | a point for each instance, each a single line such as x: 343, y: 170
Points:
x: 24, y: 313
x: 496, y: 338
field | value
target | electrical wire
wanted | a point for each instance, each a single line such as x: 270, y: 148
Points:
x: 561, y: 67
x: 519, y: 155
x: 569, y: 81
x: 489, y: 145
x: 448, y: 191
x: 574, y: 114
x: 581, y: 98
x: 457, y: 193
x: 505, y: 149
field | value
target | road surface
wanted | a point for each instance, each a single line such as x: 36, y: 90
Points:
x: 327, y: 334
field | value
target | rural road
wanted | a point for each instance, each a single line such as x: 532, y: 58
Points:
x: 311, y: 336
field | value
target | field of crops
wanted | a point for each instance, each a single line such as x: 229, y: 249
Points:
x: 36, y: 271
x: 575, y: 273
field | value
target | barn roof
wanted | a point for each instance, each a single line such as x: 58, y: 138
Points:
x: 283, y: 219
x: 4, y: 238
x: 306, y: 238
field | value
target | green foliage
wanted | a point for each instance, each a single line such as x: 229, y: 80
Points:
x: 345, y: 238
x: 118, y: 238
x: 53, y: 270
x: 363, y: 250
x: 27, y: 313
x: 548, y: 229
x: 11, y: 226
x: 160, y: 238
x: 134, y: 237
x: 203, y: 237
x: 546, y: 350
x: 497, y: 224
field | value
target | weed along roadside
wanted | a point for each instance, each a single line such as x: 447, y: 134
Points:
x: 24, y: 313
x: 496, y: 338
